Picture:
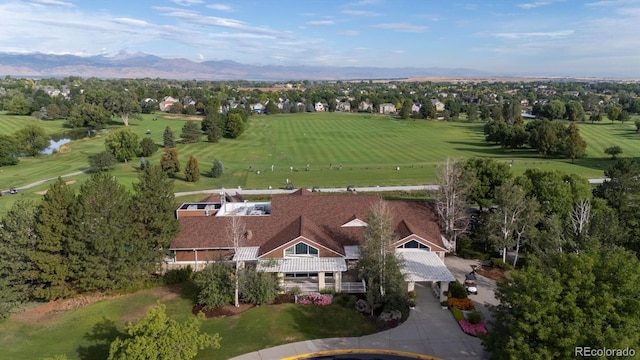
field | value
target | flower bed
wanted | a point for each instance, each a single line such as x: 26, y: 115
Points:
x: 472, y: 329
x: 315, y: 299
x: 462, y: 304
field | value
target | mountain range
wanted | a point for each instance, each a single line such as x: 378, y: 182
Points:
x: 141, y: 65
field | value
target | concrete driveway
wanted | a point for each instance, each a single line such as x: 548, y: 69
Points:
x: 486, y: 287
x: 429, y: 330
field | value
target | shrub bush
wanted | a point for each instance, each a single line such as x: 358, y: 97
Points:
x: 295, y: 291
x: 259, y: 287
x: 474, y: 317
x: 457, y: 290
x: 177, y: 276
x: 327, y: 291
x: 462, y: 304
x: 473, y: 254
x: 498, y: 263
x: 457, y: 314
x: 412, y: 294
x: 352, y: 301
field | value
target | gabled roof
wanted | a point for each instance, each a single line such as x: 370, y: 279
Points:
x: 317, y: 217
x: 305, y: 228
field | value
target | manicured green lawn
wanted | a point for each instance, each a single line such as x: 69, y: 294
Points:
x: 369, y: 147
x: 86, y: 333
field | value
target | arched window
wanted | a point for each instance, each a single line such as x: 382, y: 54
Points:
x: 301, y: 249
x: 413, y: 245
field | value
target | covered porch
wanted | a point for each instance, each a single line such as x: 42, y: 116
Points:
x: 312, y: 274
x: 421, y: 266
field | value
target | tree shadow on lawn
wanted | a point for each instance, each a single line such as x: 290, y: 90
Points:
x: 101, y: 335
x: 317, y: 322
x: 495, y: 150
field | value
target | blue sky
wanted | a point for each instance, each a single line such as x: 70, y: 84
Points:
x: 553, y: 37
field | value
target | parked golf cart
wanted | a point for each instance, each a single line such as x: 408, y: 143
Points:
x: 470, y: 283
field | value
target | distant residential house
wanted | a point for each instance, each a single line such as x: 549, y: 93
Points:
x: 343, y: 106
x: 415, y: 107
x: 188, y: 100
x: 387, y: 108
x: 320, y: 106
x: 257, y: 108
x: 166, y: 103
x: 571, y: 93
x: 310, y: 240
x: 365, y: 106
x: 439, y: 105
x: 524, y: 102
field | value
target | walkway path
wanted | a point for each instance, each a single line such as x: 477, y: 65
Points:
x: 40, y: 182
x: 429, y: 330
x: 233, y: 191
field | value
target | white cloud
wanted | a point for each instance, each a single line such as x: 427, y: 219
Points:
x: 402, y: 27
x: 612, y: 2
x: 536, y: 4
x: 321, y: 23
x: 364, y: 3
x: 535, y: 34
x: 187, y: 2
x: 348, y: 33
x: 360, y: 13
x: 398, y: 51
x: 53, y: 3
x: 129, y: 21
x: 220, y: 7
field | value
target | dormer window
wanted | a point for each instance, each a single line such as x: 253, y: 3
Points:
x: 413, y: 245
x: 301, y: 250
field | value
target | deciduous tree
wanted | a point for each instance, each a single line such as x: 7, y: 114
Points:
x: 9, y: 150
x: 235, y: 126
x: 574, y: 146
x: 32, y: 139
x: 549, y: 308
x: 378, y: 262
x: 157, y: 336
x: 487, y: 174
x: 451, y: 199
x: 123, y: 144
x: 102, y: 161
x: 169, y: 162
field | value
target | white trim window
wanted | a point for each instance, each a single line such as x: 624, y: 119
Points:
x: 301, y: 250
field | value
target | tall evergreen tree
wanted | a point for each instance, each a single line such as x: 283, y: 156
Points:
x: 101, y: 248
x: 192, y: 170
x: 167, y: 138
x: 190, y: 132
x: 154, y: 224
x: 18, y: 239
x: 50, y: 257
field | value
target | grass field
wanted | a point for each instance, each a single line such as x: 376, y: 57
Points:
x: 85, y: 333
x: 370, y: 148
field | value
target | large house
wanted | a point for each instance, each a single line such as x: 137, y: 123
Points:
x: 310, y: 240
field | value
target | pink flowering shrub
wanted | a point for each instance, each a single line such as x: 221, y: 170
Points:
x: 315, y: 299
x: 472, y: 329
